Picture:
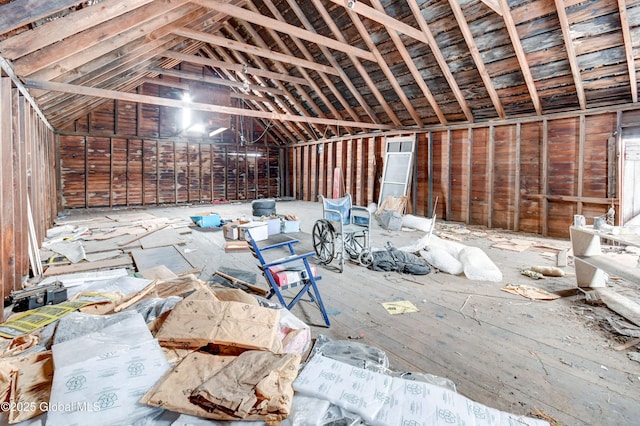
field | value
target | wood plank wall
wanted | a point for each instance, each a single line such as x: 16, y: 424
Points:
x: 529, y: 176
x: 28, y: 172
x: 123, y: 154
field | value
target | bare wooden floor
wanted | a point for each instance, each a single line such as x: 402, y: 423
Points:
x: 548, y: 357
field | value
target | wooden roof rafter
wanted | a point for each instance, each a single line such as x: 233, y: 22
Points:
x: 440, y: 59
x: 303, y: 72
x: 215, y: 80
x: 246, y: 15
x: 141, y: 51
x: 477, y: 58
x: 153, y: 100
x: 54, y: 31
x: 85, y: 45
x: 520, y: 54
x: 239, y: 68
x: 571, y: 53
x: 628, y: 49
x: 357, y: 64
x: 289, y: 100
x: 326, y: 80
x: 423, y: 35
x: 283, y: 47
x: 217, y: 40
x: 408, y: 60
x: 366, y: 37
x: 264, y: 101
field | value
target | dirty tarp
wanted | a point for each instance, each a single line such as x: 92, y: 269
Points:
x: 257, y: 385
x: 393, y: 259
x: 202, y: 319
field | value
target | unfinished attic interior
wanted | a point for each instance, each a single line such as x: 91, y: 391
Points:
x: 367, y: 212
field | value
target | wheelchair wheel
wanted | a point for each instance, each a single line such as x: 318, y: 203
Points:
x: 324, y: 241
x: 355, y: 244
x: 366, y: 258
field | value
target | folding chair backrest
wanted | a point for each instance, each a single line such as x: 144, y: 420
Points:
x: 343, y: 205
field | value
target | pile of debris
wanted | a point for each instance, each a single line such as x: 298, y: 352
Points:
x: 129, y: 350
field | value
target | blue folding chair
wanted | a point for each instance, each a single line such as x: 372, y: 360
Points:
x: 286, y: 273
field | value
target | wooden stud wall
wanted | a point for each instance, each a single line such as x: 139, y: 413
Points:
x: 115, y: 157
x: 529, y: 176
x: 28, y: 171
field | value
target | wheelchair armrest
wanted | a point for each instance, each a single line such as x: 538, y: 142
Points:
x: 362, y: 212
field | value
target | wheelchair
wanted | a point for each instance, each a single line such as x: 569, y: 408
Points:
x: 343, y: 232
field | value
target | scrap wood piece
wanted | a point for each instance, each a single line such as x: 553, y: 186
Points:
x: 620, y: 304
x: 236, y: 245
x: 116, y: 262
x: 529, y: 292
x: 400, y: 307
x: 133, y: 240
x: 237, y: 281
x: 511, y: 246
x: 627, y: 345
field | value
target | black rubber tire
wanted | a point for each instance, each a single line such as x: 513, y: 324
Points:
x: 266, y: 207
x: 263, y: 204
x: 263, y: 212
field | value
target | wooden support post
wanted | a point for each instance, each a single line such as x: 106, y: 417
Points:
x: 582, y: 135
x: 448, y: 161
x: 469, y: 176
x: 545, y: 177
x: 490, y: 175
x: 516, y: 186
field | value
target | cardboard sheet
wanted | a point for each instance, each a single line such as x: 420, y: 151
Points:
x: 25, y: 382
x: 174, y: 390
x: 383, y: 400
x: 202, y: 319
x: 256, y: 382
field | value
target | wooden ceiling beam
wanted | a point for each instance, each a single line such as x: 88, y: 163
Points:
x: 270, y: 104
x: 283, y: 27
x: 67, y: 26
x: 289, y: 100
x: 393, y: 81
x: 628, y: 49
x: 214, y: 80
x: 442, y: 62
x: 239, y: 68
x: 571, y: 53
x: 153, y: 100
x: 16, y: 14
x: 477, y: 58
x: 325, y: 79
x: 300, y: 90
x: 423, y: 35
x: 522, y: 57
x: 408, y: 60
x: 252, y: 50
x: 118, y: 32
x: 120, y: 60
x: 359, y: 68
